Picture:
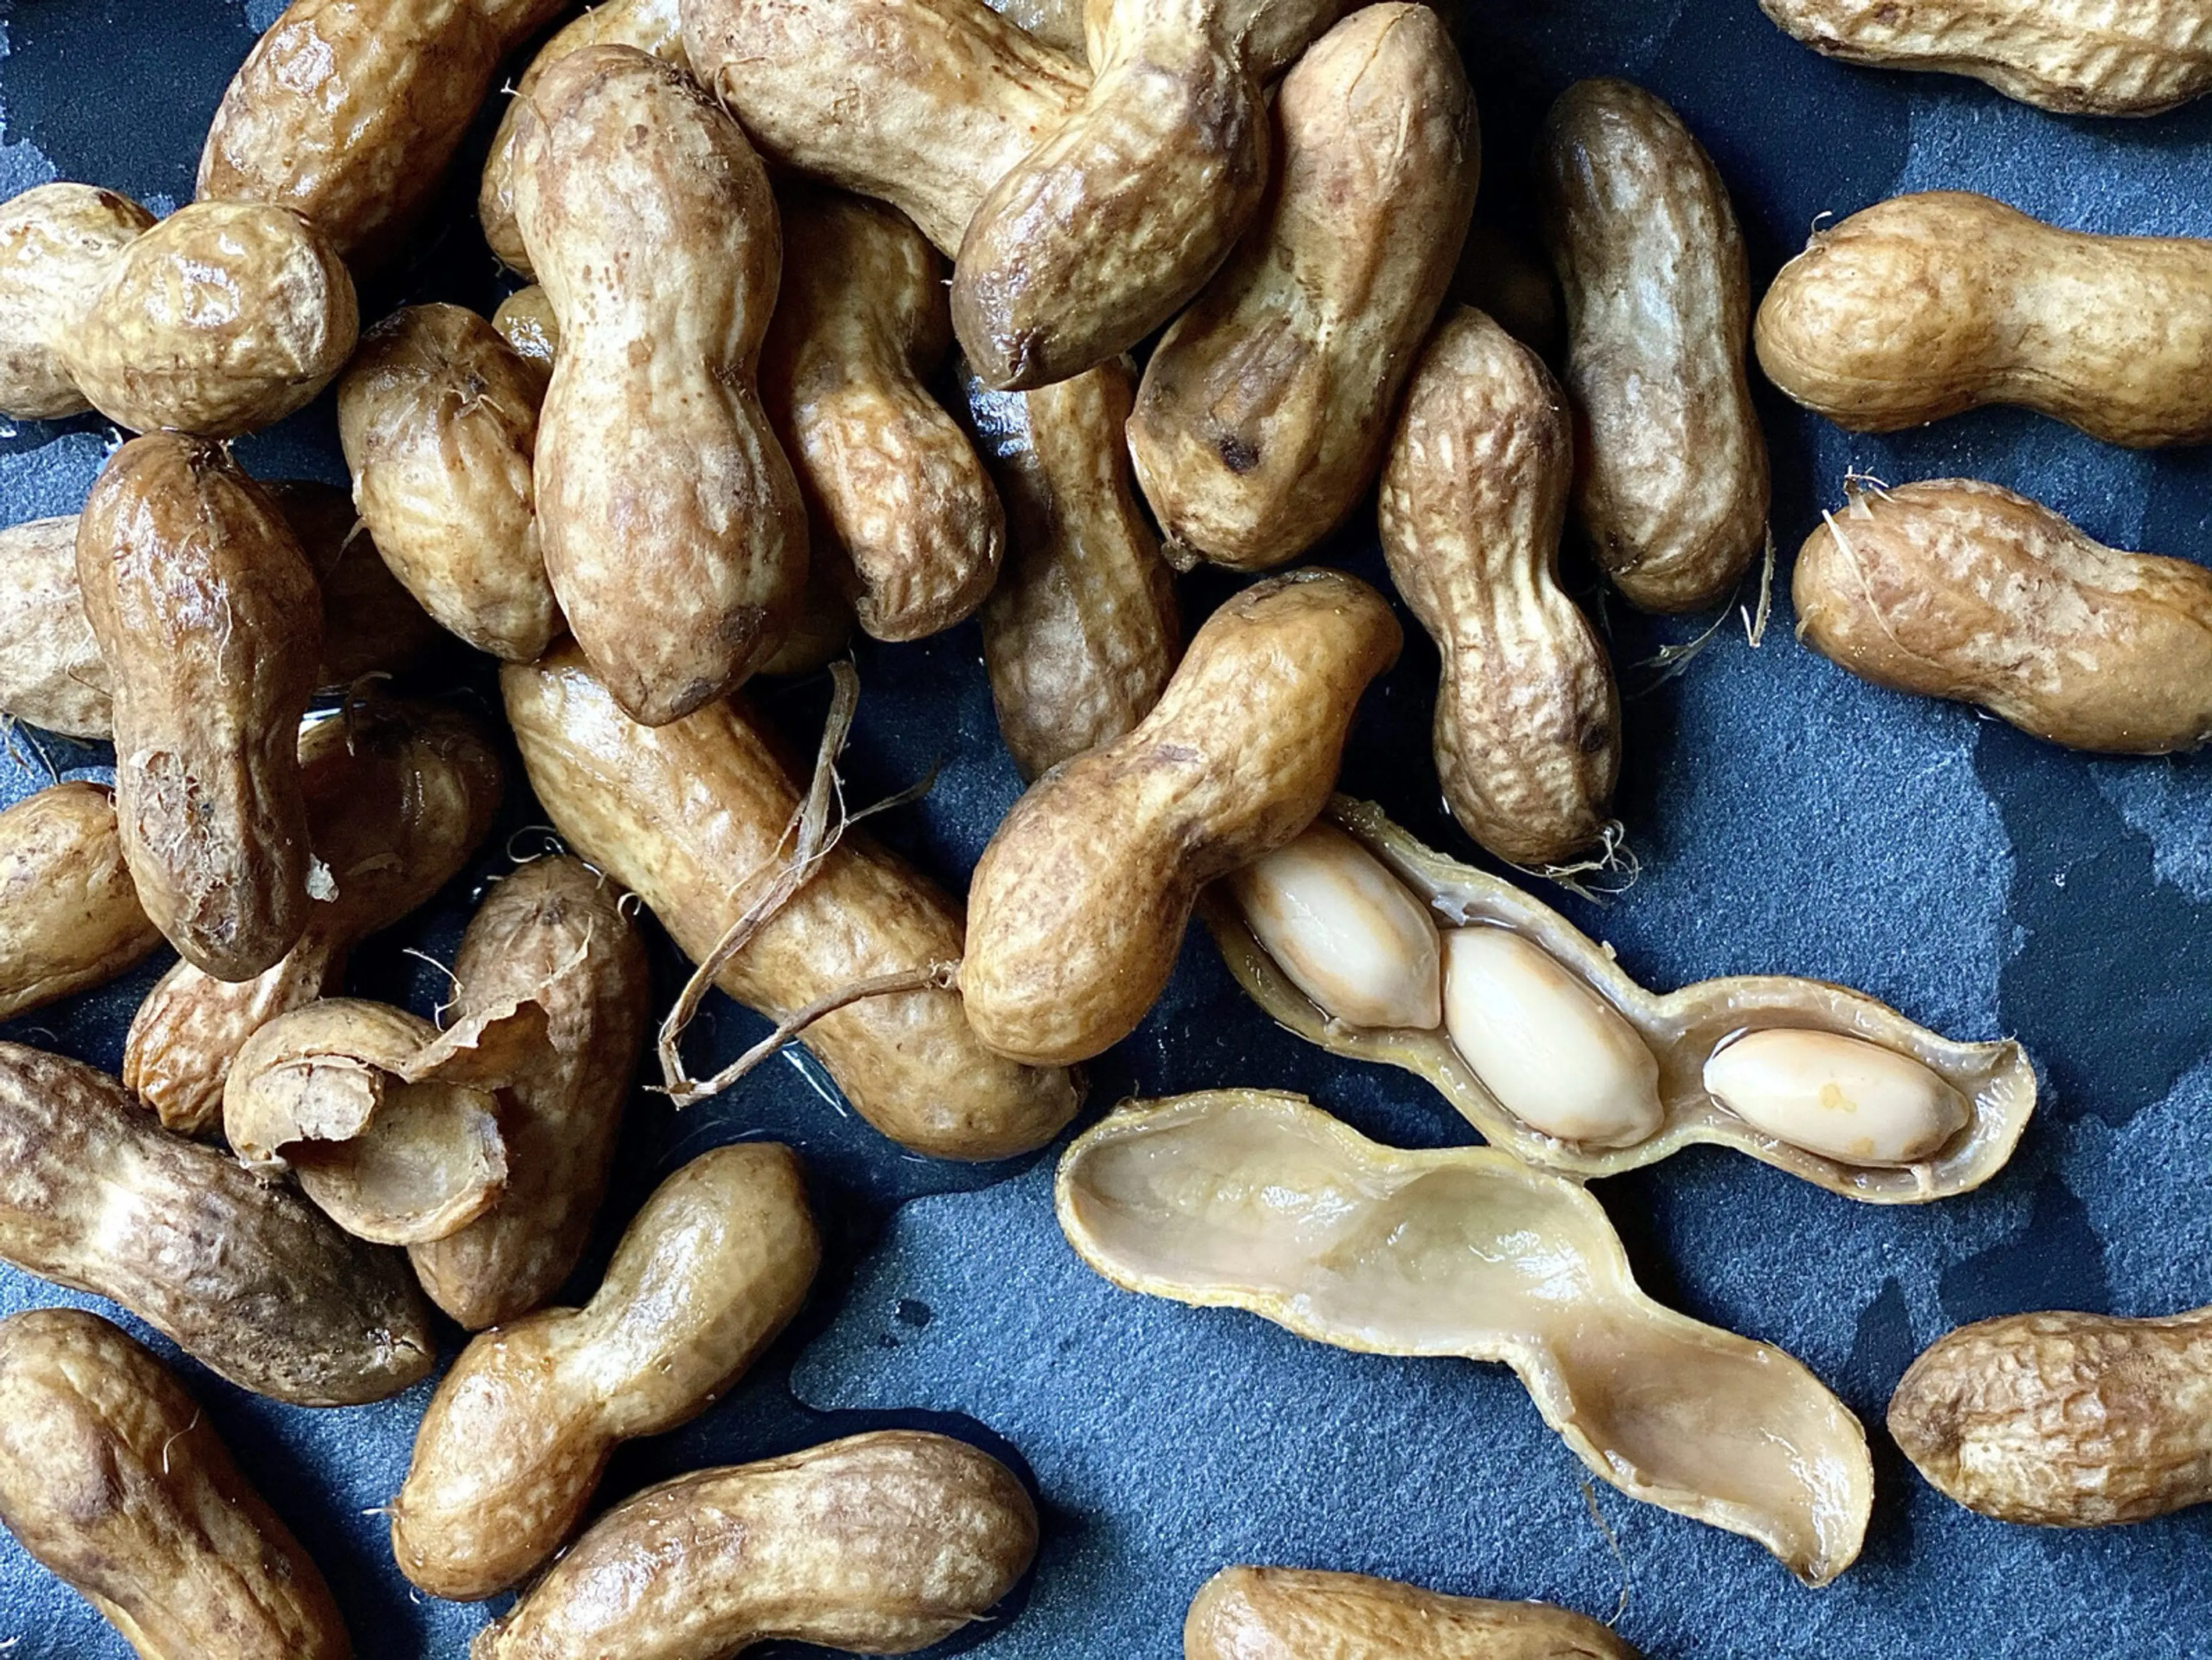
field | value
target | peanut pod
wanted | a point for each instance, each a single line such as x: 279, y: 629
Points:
x: 1057, y: 23
x: 1291, y: 1614
x: 70, y: 918
x: 524, y: 319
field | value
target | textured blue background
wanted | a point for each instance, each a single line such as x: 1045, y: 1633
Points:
x: 1789, y: 819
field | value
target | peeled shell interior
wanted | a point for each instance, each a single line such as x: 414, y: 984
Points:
x: 1257, y: 1200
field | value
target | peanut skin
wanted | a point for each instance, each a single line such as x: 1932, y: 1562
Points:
x: 1266, y: 408
x: 878, y: 1544
x: 1671, y: 473
x: 515, y: 1439
x: 684, y: 814
x: 672, y: 524
x: 1081, y: 899
x: 249, y: 1280
x: 111, y: 1476
x: 1292, y: 1614
x: 2064, y: 1420
x: 1474, y: 499
x: 1955, y: 588
x: 1926, y: 305
x: 70, y: 918
x: 209, y: 620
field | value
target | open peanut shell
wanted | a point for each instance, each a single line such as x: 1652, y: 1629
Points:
x: 1683, y: 1029
x: 1259, y: 1200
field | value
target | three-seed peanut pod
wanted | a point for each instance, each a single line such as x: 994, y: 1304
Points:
x: 672, y: 525
x: 1473, y: 503
x: 1923, y: 305
x: 1364, y: 941
x: 1294, y: 1613
x: 1080, y: 902
x: 1083, y: 630
x: 1259, y: 1200
x: 692, y: 817
x: 113, y: 1477
x: 516, y: 1438
x: 248, y: 1278
x: 1960, y: 589
x: 1266, y: 407
x: 1671, y: 479
x: 877, y: 1544
x: 2063, y: 1420
x: 223, y: 318
x: 70, y: 918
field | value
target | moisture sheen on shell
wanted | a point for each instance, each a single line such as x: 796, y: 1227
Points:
x: 1295, y: 1614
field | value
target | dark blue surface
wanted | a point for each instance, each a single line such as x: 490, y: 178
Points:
x: 1788, y: 819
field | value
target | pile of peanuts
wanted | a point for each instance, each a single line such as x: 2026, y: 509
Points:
x: 828, y: 324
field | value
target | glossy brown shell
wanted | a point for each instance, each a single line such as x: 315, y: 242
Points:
x: 70, y: 918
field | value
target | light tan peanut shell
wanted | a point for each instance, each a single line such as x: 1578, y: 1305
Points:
x: 2076, y: 56
x: 1254, y: 1200
x: 1266, y: 407
x: 651, y: 25
x: 920, y: 103
x: 1057, y: 23
x: 515, y: 1439
x: 1083, y: 630
x: 1960, y: 589
x: 877, y: 1544
x: 1671, y: 486
x: 1079, y: 903
x: 250, y: 1280
x: 70, y: 918
x: 399, y: 795
x: 524, y: 319
x: 209, y: 620
x: 1117, y: 218
x: 683, y: 815
x: 2065, y: 1420
x: 59, y: 244
x: 112, y: 1478
x: 672, y: 525
x: 554, y: 932
x: 1923, y: 305
x: 1293, y: 1613
x: 1975, y: 1098
x: 438, y: 416
x: 1473, y: 503
x: 899, y: 507
x: 348, y: 110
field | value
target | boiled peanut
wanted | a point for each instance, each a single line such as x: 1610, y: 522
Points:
x: 1671, y: 473
x: 900, y: 509
x: 438, y: 416
x: 1081, y: 901
x: 1118, y: 217
x: 524, y: 319
x: 877, y: 1544
x: 223, y: 318
x: 685, y: 814
x: 1082, y: 631
x: 347, y: 111
x: 1958, y: 589
x: 1266, y: 407
x: 1923, y: 305
x: 70, y: 918
x: 399, y: 795
x: 249, y: 1280
x: 370, y: 624
x: 822, y: 630
x: 113, y: 1477
x: 1289, y: 1613
x: 515, y: 1438
x: 1852, y: 1100
x: 2076, y: 57
x: 209, y: 620
x: 920, y: 103
x: 1473, y: 500
x: 2066, y: 1421
x: 556, y: 934
x: 665, y: 450
x: 1057, y: 23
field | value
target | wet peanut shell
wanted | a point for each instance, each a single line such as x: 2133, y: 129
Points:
x: 1079, y: 903
x: 1292, y: 1614
x: 249, y: 1280
x: 111, y: 1477
x: 209, y: 622
x: 877, y: 1544
x: 70, y: 918
x: 1057, y: 23
x: 524, y: 319
x: 57, y: 244
x: 1682, y: 1028
x: 1671, y: 486
x: 371, y: 625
